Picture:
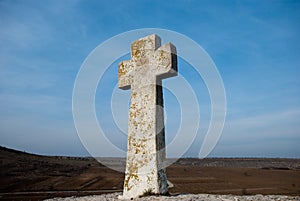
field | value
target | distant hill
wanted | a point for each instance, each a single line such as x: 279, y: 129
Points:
x: 8, y: 150
x: 22, y: 171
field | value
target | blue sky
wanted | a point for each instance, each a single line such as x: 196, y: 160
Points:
x: 254, y: 44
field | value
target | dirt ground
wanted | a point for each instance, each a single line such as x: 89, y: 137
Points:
x: 33, y: 177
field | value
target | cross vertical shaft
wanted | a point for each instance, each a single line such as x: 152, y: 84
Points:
x: 143, y: 74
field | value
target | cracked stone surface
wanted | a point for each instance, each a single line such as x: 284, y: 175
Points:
x: 150, y: 63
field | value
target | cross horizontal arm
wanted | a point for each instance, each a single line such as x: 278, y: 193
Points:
x: 166, y: 59
x: 125, y: 77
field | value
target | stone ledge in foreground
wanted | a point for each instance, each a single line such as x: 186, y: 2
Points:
x: 183, y: 197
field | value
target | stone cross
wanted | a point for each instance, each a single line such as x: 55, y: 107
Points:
x: 150, y: 63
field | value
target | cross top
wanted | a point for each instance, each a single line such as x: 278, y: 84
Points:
x: 148, y: 59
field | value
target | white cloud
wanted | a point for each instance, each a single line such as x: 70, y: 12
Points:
x: 277, y: 125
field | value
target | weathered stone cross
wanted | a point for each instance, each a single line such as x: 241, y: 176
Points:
x: 149, y: 64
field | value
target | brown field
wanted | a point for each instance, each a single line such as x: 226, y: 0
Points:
x: 32, y: 177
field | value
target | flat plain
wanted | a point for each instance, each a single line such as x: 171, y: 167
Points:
x: 27, y: 176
